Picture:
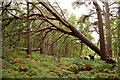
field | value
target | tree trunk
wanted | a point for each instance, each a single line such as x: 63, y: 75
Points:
x: 108, y: 35
x: 28, y: 29
x: 118, y: 70
x: 101, y: 32
x: 52, y: 45
x: 48, y: 51
x: 66, y: 49
x: 42, y: 48
x: 86, y: 50
x: 81, y: 48
x: 115, y: 49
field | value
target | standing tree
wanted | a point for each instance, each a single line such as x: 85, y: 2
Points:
x: 101, y: 32
x: 108, y: 30
x: 103, y: 52
x: 28, y: 29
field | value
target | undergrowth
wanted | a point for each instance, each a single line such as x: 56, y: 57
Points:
x: 17, y: 64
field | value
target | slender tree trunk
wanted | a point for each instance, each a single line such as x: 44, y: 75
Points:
x: 42, y: 44
x: 108, y: 35
x: 28, y: 29
x: 48, y: 51
x: 52, y: 50
x: 63, y: 52
x: 101, y: 32
x: 66, y: 49
x: 81, y: 48
x: 119, y: 31
x: 86, y: 50
x: 115, y: 49
x: 52, y: 45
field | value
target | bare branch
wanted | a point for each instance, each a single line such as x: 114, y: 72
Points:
x: 58, y: 38
x: 27, y: 32
x: 60, y: 9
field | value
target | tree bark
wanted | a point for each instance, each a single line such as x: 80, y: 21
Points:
x: 28, y: 29
x: 108, y: 35
x: 101, y: 32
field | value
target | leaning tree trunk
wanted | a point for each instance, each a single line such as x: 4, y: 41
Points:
x: 101, y: 32
x: 108, y: 35
x: 74, y: 32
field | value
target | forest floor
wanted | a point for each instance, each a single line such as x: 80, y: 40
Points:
x: 17, y: 64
